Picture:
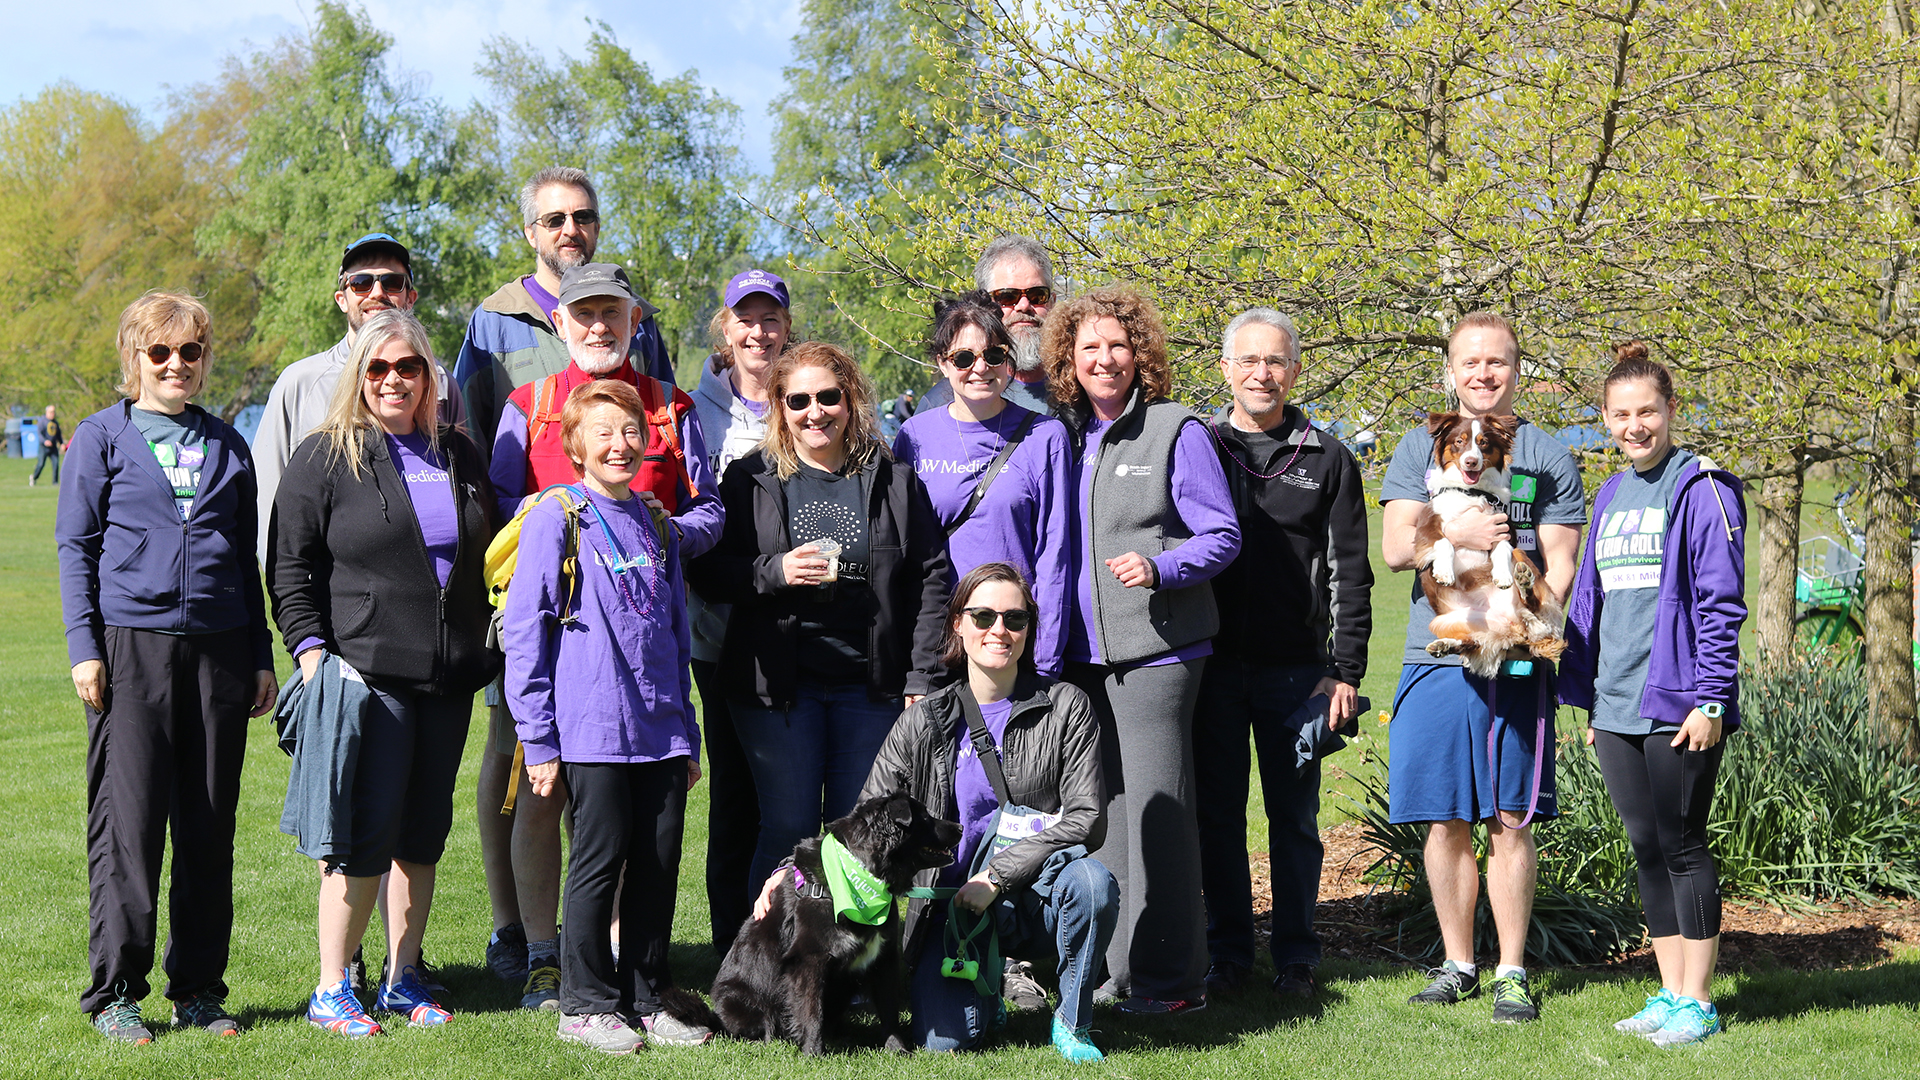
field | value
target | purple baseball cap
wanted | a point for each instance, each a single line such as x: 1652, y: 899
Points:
x: 753, y: 281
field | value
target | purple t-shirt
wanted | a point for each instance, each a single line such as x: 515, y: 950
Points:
x: 431, y: 489
x: 973, y: 792
x: 547, y: 302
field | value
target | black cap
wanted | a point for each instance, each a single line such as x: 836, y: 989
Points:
x: 594, y: 279
x: 371, y: 243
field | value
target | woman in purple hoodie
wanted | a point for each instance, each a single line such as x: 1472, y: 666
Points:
x: 1667, y: 551
x: 597, y: 682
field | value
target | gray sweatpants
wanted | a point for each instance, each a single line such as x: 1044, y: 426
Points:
x: 1159, y: 947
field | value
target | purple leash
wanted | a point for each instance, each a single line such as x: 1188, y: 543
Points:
x: 1539, y: 746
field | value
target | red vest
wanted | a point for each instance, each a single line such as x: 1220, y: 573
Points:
x: 663, y: 468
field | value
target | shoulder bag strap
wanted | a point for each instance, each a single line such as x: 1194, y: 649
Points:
x: 983, y: 747
x: 992, y: 472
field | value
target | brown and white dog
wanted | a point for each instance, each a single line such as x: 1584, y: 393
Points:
x: 1484, y: 602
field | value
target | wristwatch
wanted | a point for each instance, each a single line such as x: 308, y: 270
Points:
x: 1713, y: 710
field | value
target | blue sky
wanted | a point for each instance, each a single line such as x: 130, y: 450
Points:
x: 135, y: 50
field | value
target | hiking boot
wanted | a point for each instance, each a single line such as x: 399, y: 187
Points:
x: 1513, y: 1001
x: 120, y: 1021
x: 1650, y: 1019
x: 1146, y: 1006
x: 1450, y: 986
x: 507, y: 953
x: 1688, y: 1022
x: 1075, y: 1046
x: 206, y: 1011
x: 543, y: 989
x: 1225, y: 976
x: 336, y: 1009
x: 1295, y: 980
x: 665, y: 1029
x: 1020, y: 990
x: 411, y: 998
x: 604, y: 1032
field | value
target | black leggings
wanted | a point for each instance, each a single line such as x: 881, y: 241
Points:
x: 1663, y: 795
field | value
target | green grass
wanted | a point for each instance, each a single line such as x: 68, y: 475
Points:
x: 1859, y: 1023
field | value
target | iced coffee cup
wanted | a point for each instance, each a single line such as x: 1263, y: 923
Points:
x: 828, y: 548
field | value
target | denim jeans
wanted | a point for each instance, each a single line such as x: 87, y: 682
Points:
x: 1070, y: 925
x: 825, y: 742
x: 1236, y: 697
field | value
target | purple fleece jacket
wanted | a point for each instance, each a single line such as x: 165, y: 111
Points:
x: 612, y: 686
x: 1696, y: 637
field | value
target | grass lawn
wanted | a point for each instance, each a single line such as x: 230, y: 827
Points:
x: 1857, y: 1023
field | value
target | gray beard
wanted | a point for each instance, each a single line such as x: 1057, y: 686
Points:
x: 608, y: 363
x: 559, y: 264
x: 1026, y: 348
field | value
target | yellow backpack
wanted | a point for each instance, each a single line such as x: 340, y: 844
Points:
x: 503, y: 554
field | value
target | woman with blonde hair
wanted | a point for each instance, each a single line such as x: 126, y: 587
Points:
x: 381, y: 526
x: 171, y: 653
x: 837, y: 571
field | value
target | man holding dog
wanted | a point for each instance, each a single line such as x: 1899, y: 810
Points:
x: 1303, y: 549
x: 1445, y: 720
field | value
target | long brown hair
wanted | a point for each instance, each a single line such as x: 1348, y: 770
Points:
x: 953, y: 650
x: 863, y: 423
x: 1146, y: 334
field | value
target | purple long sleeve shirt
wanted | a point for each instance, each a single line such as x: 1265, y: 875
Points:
x: 1025, y: 518
x: 612, y: 686
x: 1206, y: 509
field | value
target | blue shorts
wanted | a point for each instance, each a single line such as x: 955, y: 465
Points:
x: 1437, y: 746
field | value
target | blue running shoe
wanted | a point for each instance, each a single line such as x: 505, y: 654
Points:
x: 411, y: 998
x: 1075, y: 1046
x: 335, y: 1009
x: 1650, y: 1019
x: 1689, y: 1022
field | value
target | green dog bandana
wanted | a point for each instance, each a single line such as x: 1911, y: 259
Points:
x: 858, y: 896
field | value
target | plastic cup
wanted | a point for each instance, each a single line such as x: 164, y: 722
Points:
x: 828, y: 547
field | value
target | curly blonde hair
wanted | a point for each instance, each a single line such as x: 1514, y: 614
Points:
x: 863, y: 420
x: 1146, y: 333
x: 158, y: 314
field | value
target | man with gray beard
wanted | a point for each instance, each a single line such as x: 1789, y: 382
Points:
x: 1016, y: 272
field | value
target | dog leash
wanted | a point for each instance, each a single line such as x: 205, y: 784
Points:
x: 964, y: 959
x: 1539, y: 745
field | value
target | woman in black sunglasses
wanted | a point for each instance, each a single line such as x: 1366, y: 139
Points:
x: 381, y: 527
x: 999, y: 475
x: 821, y: 646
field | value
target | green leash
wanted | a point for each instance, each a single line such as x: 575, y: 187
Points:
x: 965, y: 957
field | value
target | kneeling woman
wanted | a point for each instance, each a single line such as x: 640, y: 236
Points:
x: 1661, y: 702
x: 598, y: 687
x: 1047, y: 898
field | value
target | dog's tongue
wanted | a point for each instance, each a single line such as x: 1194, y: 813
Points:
x: 1471, y: 478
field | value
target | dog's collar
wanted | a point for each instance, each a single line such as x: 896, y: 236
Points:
x: 858, y: 896
x: 812, y: 890
x: 1479, y: 493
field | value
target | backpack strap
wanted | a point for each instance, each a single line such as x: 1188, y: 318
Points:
x: 983, y: 747
x: 658, y: 399
x: 545, y: 411
x: 991, y: 473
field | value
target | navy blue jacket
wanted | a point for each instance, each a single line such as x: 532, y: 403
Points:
x: 126, y: 558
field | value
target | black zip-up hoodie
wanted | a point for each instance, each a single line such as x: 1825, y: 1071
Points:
x: 347, y: 564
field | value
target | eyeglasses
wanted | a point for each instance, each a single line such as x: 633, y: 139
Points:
x: 409, y: 367
x: 581, y: 219
x: 190, y: 353
x: 1016, y: 620
x: 1038, y: 296
x: 827, y: 398
x: 995, y: 356
x: 362, y: 284
x: 1275, y: 363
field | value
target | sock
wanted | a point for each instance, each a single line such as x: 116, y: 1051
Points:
x: 543, y: 953
x: 1509, y: 971
x: 1705, y: 1006
x: 1464, y: 969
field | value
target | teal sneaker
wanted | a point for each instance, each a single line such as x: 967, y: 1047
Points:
x: 1650, y: 1019
x: 1688, y: 1022
x: 1075, y: 1046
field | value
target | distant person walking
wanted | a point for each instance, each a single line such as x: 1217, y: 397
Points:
x: 167, y: 634
x: 1653, y: 650
x: 50, y: 440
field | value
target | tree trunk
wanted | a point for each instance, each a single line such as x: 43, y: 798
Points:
x: 1889, y: 586
x: 1777, y: 513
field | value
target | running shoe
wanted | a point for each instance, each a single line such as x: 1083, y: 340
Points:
x: 1108, y: 994
x: 664, y: 1029
x: 120, y: 1021
x: 1296, y: 981
x: 1450, y: 986
x: 1020, y: 990
x: 507, y: 953
x: 1650, y: 1019
x: 1075, y: 1046
x: 1513, y: 1002
x: 410, y: 998
x: 1146, y: 1006
x: 543, y: 989
x: 206, y: 1011
x: 604, y: 1032
x: 335, y: 1009
x: 423, y: 970
x: 357, y: 971
x: 1225, y: 976
x: 1688, y: 1022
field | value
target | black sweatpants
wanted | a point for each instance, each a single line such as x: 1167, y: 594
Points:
x: 733, y: 811
x: 168, y: 748
x: 632, y: 816
x: 1663, y: 794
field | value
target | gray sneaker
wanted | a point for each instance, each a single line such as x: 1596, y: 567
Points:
x: 664, y: 1029
x: 120, y: 1021
x: 604, y: 1032
x: 542, y: 990
x: 1021, y: 991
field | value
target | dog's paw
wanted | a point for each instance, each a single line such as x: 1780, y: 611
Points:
x: 1523, y: 574
x: 1443, y: 571
x: 1548, y: 646
x: 1444, y: 646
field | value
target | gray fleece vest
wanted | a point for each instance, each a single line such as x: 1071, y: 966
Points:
x: 1131, y: 509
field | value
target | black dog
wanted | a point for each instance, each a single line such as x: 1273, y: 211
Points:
x: 787, y: 973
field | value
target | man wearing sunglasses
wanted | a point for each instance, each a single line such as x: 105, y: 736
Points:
x: 511, y: 338
x: 1294, y: 624
x: 376, y: 274
x: 1017, y: 273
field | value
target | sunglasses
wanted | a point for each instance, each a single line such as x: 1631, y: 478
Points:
x: 190, y: 353
x: 409, y: 367
x: 362, y: 284
x: 1038, y: 295
x: 581, y: 218
x: 1016, y: 620
x: 827, y: 398
x: 995, y: 356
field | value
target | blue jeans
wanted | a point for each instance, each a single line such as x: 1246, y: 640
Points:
x: 1071, y: 925
x: 825, y: 742
x: 1236, y: 697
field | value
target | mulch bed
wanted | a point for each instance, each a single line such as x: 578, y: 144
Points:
x: 1753, y: 935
